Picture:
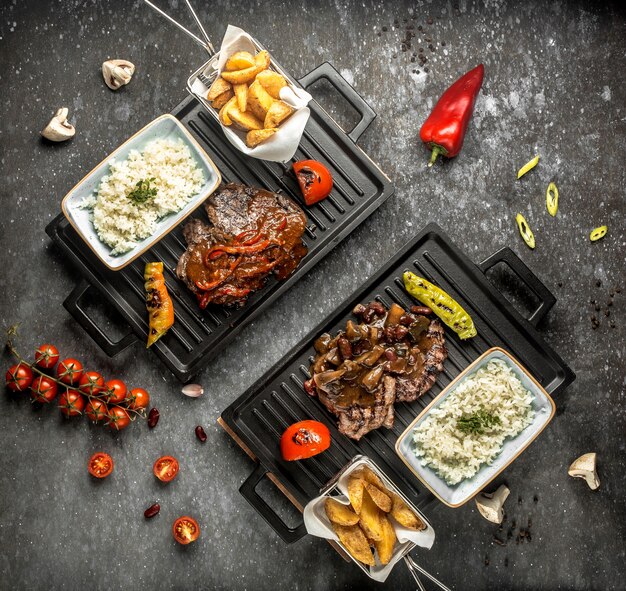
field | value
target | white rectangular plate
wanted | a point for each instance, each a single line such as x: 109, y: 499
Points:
x: 163, y: 127
x: 457, y: 495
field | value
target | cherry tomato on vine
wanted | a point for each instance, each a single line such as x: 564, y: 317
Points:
x: 91, y: 383
x: 116, y: 391
x: 71, y: 403
x: 314, y: 179
x: 100, y: 465
x: 304, y: 440
x: 46, y: 356
x: 70, y: 371
x: 118, y: 418
x: 19, y: 377
x: 97, y: 410
x: 43, y: 389
x: 165, y: 468
x: 138, y: 399
x: 186, y: 530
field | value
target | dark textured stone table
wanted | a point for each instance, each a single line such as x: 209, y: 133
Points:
x: 554, y: 85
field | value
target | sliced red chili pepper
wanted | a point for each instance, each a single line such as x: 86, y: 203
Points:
x: 237, y: 292
x: 241, y: 249
x: 249, y: 237
x: 216, y: 254
x: 282, y: 224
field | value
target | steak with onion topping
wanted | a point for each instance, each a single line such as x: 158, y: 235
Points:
x: 253, y: 234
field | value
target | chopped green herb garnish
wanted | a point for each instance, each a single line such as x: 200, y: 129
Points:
x: 143, y: 191
x: 477, y: 422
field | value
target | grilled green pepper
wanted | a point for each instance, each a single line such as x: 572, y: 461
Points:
x: 525, y: 231
x: 552, y: 199
x: 449, y: 310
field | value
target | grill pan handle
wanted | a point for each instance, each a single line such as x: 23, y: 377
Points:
x: 72, y: 305
x: 327, y: 71
x: 248, y: 490
x: 508, y: 257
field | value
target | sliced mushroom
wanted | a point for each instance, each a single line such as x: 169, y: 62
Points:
x: 117, y: 73
x: 491, y: 506
x: 585, y: 467
x: 59, y: 129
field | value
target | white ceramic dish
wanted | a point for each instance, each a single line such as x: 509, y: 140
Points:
x: 457, y: 495
x: 163, y: 127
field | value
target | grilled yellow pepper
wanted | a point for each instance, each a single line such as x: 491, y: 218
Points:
x: 525, y: 232
x: 449, y: 310
x: 158, y: 302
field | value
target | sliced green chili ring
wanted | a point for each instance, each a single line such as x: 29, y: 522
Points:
x: 598, y: 233
x: 552, y: 199
x: 525, y: 231
x: 528, y: 166
x: 449, y: 310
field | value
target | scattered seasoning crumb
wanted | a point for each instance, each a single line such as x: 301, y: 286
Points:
x: 513, y: 524
x: 560, y: 284
x: 379, y: 33
x: 419, y: 27
x: 519, y: 500
x: 425, y: 69
x: 618, y: 290
x: 443, y: 44
x: 499, y: 541
x: 612, y: 324
x: 597, y: 307
x: 509, y: 534
x: 530, y: 522
x: 535, y: 499
x: 598, y: 283
x: 609, y: 303
x: 385, y: 29
x: 506, y: 561
x: 429, y: 21
x: 486, y: 560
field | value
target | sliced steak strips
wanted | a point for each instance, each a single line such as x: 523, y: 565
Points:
x: 357, y: 420
x: 408, y: 390
x: 261, y: 234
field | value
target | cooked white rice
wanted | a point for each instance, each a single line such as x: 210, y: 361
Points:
x: 455, y: 455
x: 119, y: 222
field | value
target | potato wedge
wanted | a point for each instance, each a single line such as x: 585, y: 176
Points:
x: 259, y: 100
x: 272, y: 82
x: 241, y: 92
x: 241, y: 76
x: 224, y: 115
x: 382, y: 500
x: 385, y: 546
x: 370, y: 518
x: 277, y: 113
x: 355, y: 493
x: 239, y: 61
x: 222, y: 99
x: 219, y: 87
x: 403, y: 515
x: 370, y: 476
x: 339, y: 513
x: 262, y: 60
x: 353, y: 538
x: 244, y: 121
x: 258, y: 136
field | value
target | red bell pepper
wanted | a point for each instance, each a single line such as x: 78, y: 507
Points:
x: 443, y: 132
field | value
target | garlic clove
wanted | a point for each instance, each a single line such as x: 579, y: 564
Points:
x: 59, y: 128
x: 193, y: 390
x: 117, y: 73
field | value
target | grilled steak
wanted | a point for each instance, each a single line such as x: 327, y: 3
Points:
x: 253, y: 234
x: 410, y: 389
x: 392, y: 355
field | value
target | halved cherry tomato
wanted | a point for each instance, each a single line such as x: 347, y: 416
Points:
x: 118, y: 418
x: 314, y: 179
x: 165, y: 468
x: 186, y: 530
x: 91, y: 383
x: 46, y: 356
x: 19, y: 377
x: 70, y: 371
x: 43, y: 389
x: 71, y: 403
x: 97, y: 410
x: 116, y: 391
x: 100, y: 465
x: 304, y: 440
x: 138, y: 399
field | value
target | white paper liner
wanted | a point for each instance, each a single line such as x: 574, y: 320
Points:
x: 318, y: 524
x: 283, y: 144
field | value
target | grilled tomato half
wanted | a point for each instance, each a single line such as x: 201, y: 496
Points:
x: 314, y: 179
x: 304, y: 440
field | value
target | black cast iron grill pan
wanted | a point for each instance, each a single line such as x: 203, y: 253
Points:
x: 258, y: 418
x: 359, y: 188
